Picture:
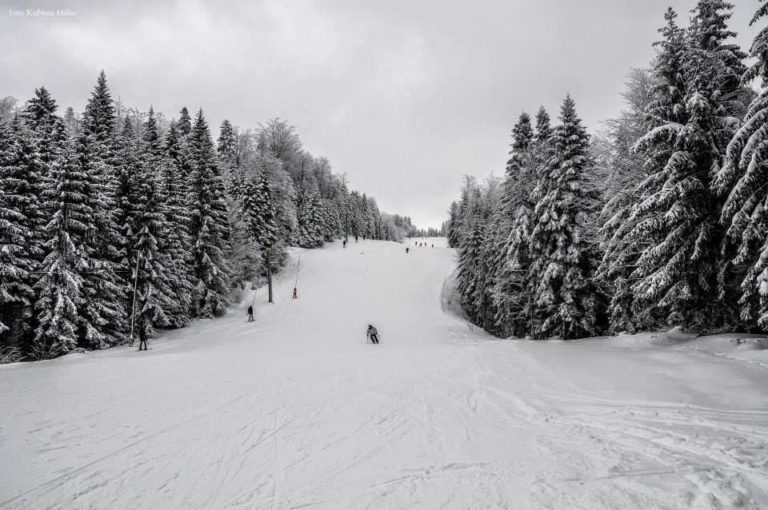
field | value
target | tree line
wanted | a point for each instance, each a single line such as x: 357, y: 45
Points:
x: 116, y: 222
x: 660, y: 221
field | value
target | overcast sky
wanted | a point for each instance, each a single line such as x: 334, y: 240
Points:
x: 403, y: 96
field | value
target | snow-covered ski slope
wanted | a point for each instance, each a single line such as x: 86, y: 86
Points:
x: 296, y: 411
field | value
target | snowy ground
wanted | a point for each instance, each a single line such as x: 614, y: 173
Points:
x: 296, y: 411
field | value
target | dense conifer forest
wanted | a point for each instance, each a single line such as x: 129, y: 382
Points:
x: 117, y: 222
x: 661, y: 221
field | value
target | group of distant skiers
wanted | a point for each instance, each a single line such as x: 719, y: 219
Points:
x: 408, y: 249
x: 371, y: 333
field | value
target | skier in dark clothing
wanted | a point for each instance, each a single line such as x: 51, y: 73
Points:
x: 344, y: 243
x: 406, y: 250
x: 142, y: 338
x: 250, y: 313
x: 372, y: 334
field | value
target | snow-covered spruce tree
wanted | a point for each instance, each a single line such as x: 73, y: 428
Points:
x: 331, y: 223
x: 105, y: 290
x: 127, y: 176
x: 373, y: 218
x: 259, y: 215
x: 48, y: 131
x: 310, y: 233
x: 717, y: 64
x: 21, y: 219
x: 71, y: 122
x: 469, y: 268
x: 722, y: 64
x: 60, y: 287
x: 453, y: 226
x: 624, y: 170
x: 628, y: 229
x: 677, y: 218
x: 151, y: 265
x: 742, y: 182
x: 478, y: 299
x: 511, y: 287
x: 543, y: 126
x: 465, y: 214
x: 491, y: 257
x: 40, y: 111
x: 472, y: 272
x: 184, y: 125
x: 210, y: 224
x: 177, y: 244
x: 231, y: 167
x: 227, y: 140
x: 563, y: 301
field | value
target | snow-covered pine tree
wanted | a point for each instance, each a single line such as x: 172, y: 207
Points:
x: 677, y: 218
x: 742, y: 182
x: 564, y: 301
x: 60, y: 288
x: 210, y: 224
x: 21, y: 217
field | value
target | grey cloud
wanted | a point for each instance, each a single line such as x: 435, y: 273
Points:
x: 403, y: 96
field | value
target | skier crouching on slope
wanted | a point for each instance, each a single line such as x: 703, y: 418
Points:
x: 373, y: 334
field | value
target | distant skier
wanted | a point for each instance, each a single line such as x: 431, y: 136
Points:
x: 372, y: 334
x: 295, y: 293
x: 250, y: 313
x: 142, y: 339
x: 344, y: 243
x: 406, y: 250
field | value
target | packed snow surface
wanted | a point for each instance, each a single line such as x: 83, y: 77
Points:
x: 295, y: 410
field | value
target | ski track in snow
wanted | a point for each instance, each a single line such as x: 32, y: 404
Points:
x: 296, y: 411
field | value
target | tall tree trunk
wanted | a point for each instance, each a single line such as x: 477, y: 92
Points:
x: 269, y: 275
